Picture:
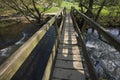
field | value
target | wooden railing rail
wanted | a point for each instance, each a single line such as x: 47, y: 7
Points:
x: 13, y: 63
x: 50, y: 64
x: 86, y: 56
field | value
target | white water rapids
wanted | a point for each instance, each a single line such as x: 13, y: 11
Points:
x: 105, y: 58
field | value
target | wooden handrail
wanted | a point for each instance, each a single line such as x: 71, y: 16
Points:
x: 48, y: 70
x: 13, y: 63
x: 89, y: 64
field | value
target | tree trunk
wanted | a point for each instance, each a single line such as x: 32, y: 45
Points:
x: 89, y: 10
x: 89, y: 14
x: 81, y: 6
x: 37, y: 11
x: 101, y: 7
x: 98, y: 14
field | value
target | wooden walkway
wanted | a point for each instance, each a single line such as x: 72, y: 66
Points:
x: 68, y: 64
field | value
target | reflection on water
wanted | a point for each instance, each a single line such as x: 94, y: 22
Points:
x: 105, y: 58
x: 21, y: 41
x: 11, y: 34
x: 3, y: 51
x: 6, y: 52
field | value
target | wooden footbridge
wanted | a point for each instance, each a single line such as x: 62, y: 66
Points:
x: 68, y: 64
x: 68, y: 55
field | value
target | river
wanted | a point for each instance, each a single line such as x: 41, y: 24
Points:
x: 12, y: 43
x: 106, y: 59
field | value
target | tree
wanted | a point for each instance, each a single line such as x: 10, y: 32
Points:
x: 89, y: 12
x: 30, y: 8
x: 87, y: 4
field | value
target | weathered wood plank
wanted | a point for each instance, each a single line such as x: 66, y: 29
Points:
x: 68, y: 74
x: 68, y: 57
x: 70, y: 47
x: 68, y: 42
x: 74, y: 65
x: 66, y: 51
x: 68, y: 38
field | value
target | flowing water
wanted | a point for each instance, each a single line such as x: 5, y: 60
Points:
x: 13, y: 37
x: 105, y: 58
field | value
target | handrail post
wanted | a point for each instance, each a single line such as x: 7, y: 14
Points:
x: 64, y: 10
x: 56, y: 28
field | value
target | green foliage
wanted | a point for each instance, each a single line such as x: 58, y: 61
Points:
x: 104, y: 12
x: 58, y: 2
x: 53, y: 10
x: 31, y: 9
x: 69, y: 4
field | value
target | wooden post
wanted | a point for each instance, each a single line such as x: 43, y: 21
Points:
x: 56, y: 29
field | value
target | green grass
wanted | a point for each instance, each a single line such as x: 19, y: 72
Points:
x: 69, y: 4
x: 64, y: 4
x: 53, y: 10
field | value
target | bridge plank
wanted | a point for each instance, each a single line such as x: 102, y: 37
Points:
x: 66, y: 51
x: 68, y: 58
x: 65, y: 46
x: 68, y: 42
x: 68, y: 74
x: 66, y: 64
